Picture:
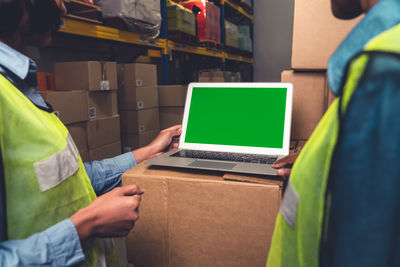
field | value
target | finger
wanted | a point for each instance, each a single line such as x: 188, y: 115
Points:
x: 175, y: 128
x: 284, y: 172
x: 279, y: 163
x: 130, y: 190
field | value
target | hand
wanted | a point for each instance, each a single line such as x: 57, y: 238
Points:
x: 285, y: 164
x: 112, y: 214
x: 166, y: 140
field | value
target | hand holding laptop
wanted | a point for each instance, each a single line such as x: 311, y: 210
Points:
x: 166, y: 140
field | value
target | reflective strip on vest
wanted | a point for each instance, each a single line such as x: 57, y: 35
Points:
x: 52, y: 171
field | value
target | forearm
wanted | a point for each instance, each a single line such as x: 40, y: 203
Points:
x: 58, y: 245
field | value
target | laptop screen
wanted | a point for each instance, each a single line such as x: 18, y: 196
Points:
x: 237, y: 117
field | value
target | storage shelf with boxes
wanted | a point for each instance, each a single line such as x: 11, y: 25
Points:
x: 86, y: 101
x: 138, y: 97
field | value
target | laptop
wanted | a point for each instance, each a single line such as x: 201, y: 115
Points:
x: 233, y: 127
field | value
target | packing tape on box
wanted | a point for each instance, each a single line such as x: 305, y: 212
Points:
x: 104, y: 83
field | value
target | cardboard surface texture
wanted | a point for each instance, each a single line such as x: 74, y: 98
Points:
x: 200, y: 219
x: 69, y: 106
x: 86, y: 75
x: 134, y: 121
x: 172, y: 95
x: 102, y: 104
x: 170, y: 116
x: 78, y: 133
x: 133, y: 141
x: 309, y: 101
x: 105, y: 152
x: 103, y: 131
x: 136, y: 98
x: 316, y: 34
x: 137, y: 75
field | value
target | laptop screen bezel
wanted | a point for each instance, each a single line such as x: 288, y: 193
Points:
x: 240, y: 149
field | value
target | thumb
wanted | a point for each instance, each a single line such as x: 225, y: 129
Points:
x: 130, y: 190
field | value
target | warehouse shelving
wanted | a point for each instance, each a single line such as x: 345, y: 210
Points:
x: 238, y: 9
x: 165, y: 46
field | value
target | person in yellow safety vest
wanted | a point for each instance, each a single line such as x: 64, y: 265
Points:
x: 50, y: 214
x: 341, y: 206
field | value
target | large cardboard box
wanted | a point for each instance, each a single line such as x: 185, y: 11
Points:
x: 86, y: 75
x: 105, y: 152
x: 135, y: 98
x: 141, y: 139
x: 137, y: 75
x: 309, y: 101
x: 172, y: 95
x: 316, y: 34
x: 69, y: 106
x: 102, y: 104
x: 134, y: 121
x: 191, y: 219
x: 215, y: 76
x: 103, y: 131
x: 78, y: 133
x: 170, y: 116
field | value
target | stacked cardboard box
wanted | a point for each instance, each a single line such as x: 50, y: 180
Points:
x: 86, y: 101
x: 138, y: 103
x: 172, y: 102
x: 316, y: 34
x: 216, y: 76
x: 202, y: 219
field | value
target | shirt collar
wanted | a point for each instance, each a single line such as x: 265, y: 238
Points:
x: 14, y: 61
x: 383, y: 16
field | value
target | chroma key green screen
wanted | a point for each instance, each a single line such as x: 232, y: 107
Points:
x: 252, y: 117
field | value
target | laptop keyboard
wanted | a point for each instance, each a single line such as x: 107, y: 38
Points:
x: 225, y: 156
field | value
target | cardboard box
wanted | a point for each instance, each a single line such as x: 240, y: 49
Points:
x: 86, y: 75
x: 137, y: 75
x: 102, y: 104
x: 135, y: 98
x: 170, y: 116
x: 215, y: 76
x: 309, y: 101
x: 172, y: 95
x: 192, y: 218
x: 69, y: 106
x: 105, y: 152
x: 42, y: 81
x: 103, y: 131
x: 84, y: 155
x: 134, y: 121
x: 134, y: 141
x: 316, y: 34
x: 78, y: 133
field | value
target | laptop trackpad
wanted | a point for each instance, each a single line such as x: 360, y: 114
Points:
x: 212, y: 165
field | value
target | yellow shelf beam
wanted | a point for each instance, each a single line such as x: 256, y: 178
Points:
x: 194, y: 49
x: 82, y: 28
x: 239, y: 9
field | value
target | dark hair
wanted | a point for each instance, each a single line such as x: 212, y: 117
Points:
x: 11, y: 12
x: 44, y: 16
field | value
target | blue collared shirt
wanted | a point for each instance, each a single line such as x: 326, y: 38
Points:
x: 58, y: 245
x: 363, y: 228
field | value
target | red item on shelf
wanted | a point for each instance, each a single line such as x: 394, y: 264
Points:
x: 208, y: 20
x: 41, y: 80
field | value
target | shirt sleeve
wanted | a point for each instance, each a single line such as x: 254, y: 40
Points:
x: 364, y: 217
x: 106, y: 174
x: 58, y: 245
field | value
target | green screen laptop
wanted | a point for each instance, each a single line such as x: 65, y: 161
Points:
x: 233, y: 127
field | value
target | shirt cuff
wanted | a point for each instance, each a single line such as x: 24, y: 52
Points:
x: 64, y: 244
x: 125, y: 162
